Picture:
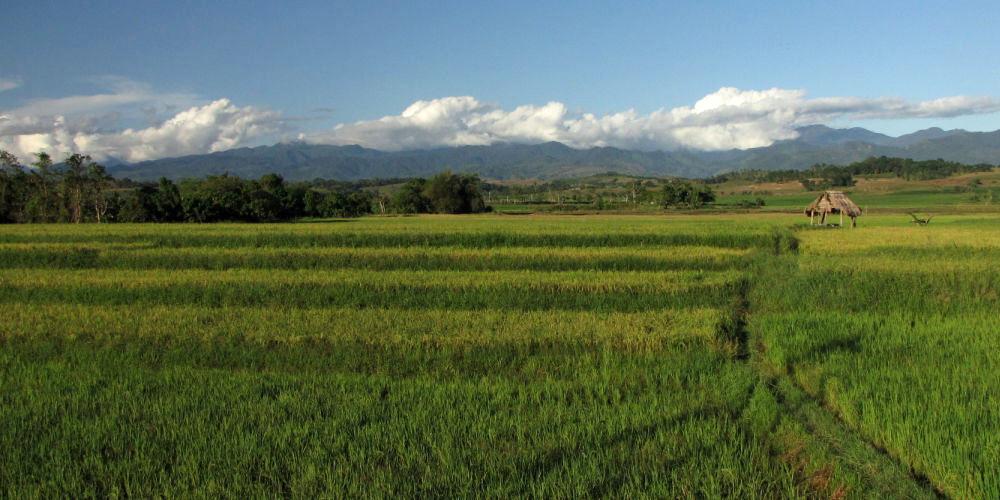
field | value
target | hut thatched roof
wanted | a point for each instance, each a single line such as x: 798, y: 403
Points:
x: 833, y: 202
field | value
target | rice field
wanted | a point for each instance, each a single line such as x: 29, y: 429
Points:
x: 895, y: 330
x: 380, y: 357
x: 566, y: 356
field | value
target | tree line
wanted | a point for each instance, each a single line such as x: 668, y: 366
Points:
x: 825, y: 175
x: 75, y: 192
x: 80, y: 190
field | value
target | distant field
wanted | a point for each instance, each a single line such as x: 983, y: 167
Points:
x: 960, y: 193
x: 680, y: 356
x: 978, y: 192
x: 917, y: 200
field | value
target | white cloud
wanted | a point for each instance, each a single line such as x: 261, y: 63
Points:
x: 727, y: 118
x: 131, y: 121
x: 9, y: 84
x: 92, y: 124
x: 215, y: 126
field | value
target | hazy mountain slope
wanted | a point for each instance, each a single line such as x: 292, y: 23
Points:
x: 797, y: 155
x: 965, y: 147
x: 821, y: 135
x: 307, y: 161
x: 924, y: 135
x: 816, y: 144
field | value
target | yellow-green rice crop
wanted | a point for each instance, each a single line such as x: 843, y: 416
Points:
x: 413, y: 356
x: 569, y: 356
x: 895, y: 329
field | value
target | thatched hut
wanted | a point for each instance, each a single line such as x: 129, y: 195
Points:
x: 833, y: 202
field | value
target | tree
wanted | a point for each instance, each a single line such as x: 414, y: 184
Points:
x: 216, y: 198
x: 43, y: 203
x: 14, y: 188
x: 75, y: 184
x: 166, y: 202
x: 139, y: 205
x: 96, y: 184
x: 198, y: 209
x: 454, y: 194
x: 274, y: 186
x: 410, y: 198
x: 674, y: 193
x: 347, y: 204
x: 381, y: 200
x: 312, y: 203
x: 841, y: 179
x: 295, y: 200
x: 263, y: 205
x: 635, y: 190
x: 704, y: 196
x: 677, y: 193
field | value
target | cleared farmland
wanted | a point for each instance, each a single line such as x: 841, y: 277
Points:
x: 566, y: 356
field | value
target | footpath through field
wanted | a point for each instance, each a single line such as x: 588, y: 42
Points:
x: 829, y: 458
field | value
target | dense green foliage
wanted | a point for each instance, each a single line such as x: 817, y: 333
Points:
x: 833, y: 179
x: 606, y: 191
x: 445, y: 193
x: 81, y: 191
x: 684, y: 194
x: 74, y: 193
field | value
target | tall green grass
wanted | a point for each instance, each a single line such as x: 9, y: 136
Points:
x: 895, y: 330
x: 571, y: 290
x: 677, y: 356
x: 96, y: 423
x: 437, y: 231
x: 431, y: 356
x: 80, y: 256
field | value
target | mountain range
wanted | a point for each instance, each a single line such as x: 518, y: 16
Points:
x: 551, y: 160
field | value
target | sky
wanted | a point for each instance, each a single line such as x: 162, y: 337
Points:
x: 143, y: 80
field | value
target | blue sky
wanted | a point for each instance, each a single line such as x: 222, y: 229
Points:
x: 311, y: 65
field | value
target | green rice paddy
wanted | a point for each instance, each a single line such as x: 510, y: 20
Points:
x: 567, y: 356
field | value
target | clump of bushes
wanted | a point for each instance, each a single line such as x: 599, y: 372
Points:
x: 682, y: 194
x: 757, y: 202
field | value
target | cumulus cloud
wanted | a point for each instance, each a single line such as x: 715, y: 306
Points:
x: 132, y: 122
x: 176, y: 124
x: 216, y: 126
x: 9, y: 84
x: 725, y: 119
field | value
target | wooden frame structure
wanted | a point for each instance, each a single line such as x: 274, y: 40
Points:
x: 833, y: 202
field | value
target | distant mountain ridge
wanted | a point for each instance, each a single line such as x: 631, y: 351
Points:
x: 551, y: 160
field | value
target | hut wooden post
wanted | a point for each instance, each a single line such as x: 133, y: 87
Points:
x: 812, y: 215
x: 841, y: 218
